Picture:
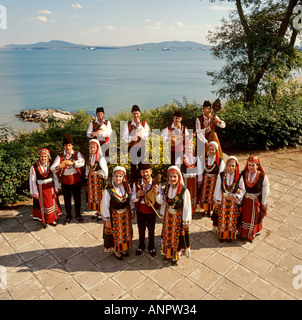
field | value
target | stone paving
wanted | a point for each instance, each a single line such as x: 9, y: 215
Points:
x: 68, y: 262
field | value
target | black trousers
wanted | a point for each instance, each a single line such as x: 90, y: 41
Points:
x: 69, y: 191
x: 146, y: 220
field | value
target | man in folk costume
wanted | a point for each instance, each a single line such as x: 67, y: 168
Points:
x: 117, y: 214
x: 101, y: 130
x: 228, y: 195
x: 136, y: 133
x: 69, y: 166
x: 96, y: 173
x: 177, y: 215
x: 44, y: 186
x: 146, y: 216
x: 211, y: 165
x: 176, y: 134
x: 204, y: 126
x: 191, y: 169
x: 255, y: 201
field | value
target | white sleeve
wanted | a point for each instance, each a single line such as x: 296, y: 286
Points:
x: 80, y: 162
x: 55, y: 164
x: 56, y: 181
x: 89, y: 130
x: 239, y: 197
x: 218, y: 190
x: 221, y: 166
x: 265, y: 191
x: 147, y: 132
x: 33, y: 181
x: 133, y: 194
x: 126, y: 135
x: 222, y: 124
x: 187, y: 208
x: 105, y: 206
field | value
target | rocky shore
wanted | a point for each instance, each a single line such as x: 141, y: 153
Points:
x: 43, y: 115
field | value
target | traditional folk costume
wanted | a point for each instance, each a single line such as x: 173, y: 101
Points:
x: 191, y: 169
x: 146, y: 216
x: 44, y: 185
x: 116, y: 208
x: 104, y: 133
x: 96, y: 172
x: 255, y: 201
x: 177, y: 215
x: 181, y: 133
x: 70, y: 176
x: 135, y: 135
x: 211, y: 168
x: 228, y: 211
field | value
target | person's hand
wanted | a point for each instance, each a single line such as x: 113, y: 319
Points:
x: 140, y: 193
x: 155, y: 188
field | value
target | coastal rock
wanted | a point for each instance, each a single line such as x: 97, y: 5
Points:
x: 43, y: 115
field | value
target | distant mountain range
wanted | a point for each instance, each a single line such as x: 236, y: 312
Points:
x: 63, y: 45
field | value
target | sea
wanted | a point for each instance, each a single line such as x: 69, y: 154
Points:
x: 115, y: 79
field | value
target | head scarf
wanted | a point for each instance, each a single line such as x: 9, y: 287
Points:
x: 215, y: 144
x: 99, y: 153
x: 175, y: 169
x: 256, y: 160
x: 233, y: 158
x: 45, y: 151
x: 121, y: 170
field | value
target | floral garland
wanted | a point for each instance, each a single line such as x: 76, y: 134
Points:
x: 191, y: 166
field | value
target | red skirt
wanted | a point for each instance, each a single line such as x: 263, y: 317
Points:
x: 47, y: 208
x: 191, y: 185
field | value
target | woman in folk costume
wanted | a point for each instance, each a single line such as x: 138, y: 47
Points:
x: 117, y: 216
x: 44, y: 186
x: 177, y: 214
x: 229, y: 192
x: 255, y: 201
x: 96, y: 173
x: 212, y: 165
x: 191, y: 172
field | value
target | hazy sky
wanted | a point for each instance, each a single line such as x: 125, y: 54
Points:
x: 110, y: 22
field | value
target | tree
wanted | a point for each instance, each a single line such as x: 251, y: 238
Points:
x: 258, y: 44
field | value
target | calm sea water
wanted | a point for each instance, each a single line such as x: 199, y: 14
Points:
x: 115, y: 79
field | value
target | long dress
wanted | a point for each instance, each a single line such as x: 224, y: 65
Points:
x: 177, y: 215
x: 115, y: 207
x: 43, y: 181
x: 256, y: 198
x: 229, y: 210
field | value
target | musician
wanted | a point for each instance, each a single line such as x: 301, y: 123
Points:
x: 176, y: 133
x: 228, y: 195
x: 69, y: 166
x: 146, y: 216
x: 255, y: 202
x: 101, y: 130
x: 177, y: 215
x: 136, y: 133
x: 204, y: 124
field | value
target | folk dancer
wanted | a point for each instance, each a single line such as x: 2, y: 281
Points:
x: 212, y: 166
x: 136, y: 132
x: 146, y: 216
x: 44, y: 186
x: 176, y: 134
x: 255, y: 201
x: 69, y: 166
x: 101, y: 130
x: 177, y: 215
x: 228, y: 195
x: 96, y: 173
x: 117, y: 215
x: 191, y: 169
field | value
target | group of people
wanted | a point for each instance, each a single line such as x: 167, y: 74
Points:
x: 236, y: 201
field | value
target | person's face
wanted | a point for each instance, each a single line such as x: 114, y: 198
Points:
x: 68, y: 148
x: 177, y: 121
x: 100, y: 116
x: 212, y: 151
x: 146, y: 174
x: 252, y: 167
x: 231, y: 167
x: 43, y: 158
x: 189, y: 150
x: 93, y: 148
x: 207, y: 111
x: 118, y: 178
x: 136, y: 115
x: 173, y: 179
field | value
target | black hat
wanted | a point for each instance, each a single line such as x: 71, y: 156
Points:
x: 177, y: 113
x: 67, y: 139
x: 135, y: 108
x: 144, y: 166
x: 206, y: 104
x: 101, y: 109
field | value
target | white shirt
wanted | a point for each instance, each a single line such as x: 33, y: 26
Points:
x: 265, y: 187
x: 143, y: 132
x: 103, y: 172
x: 197, y: 171
x: 102, y: 134
x: 70, y: 169
x: 159, y: 197
x: 207, y: 121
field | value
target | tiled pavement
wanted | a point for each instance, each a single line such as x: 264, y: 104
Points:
x: 68, y: 262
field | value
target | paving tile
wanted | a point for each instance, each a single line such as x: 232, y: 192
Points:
x: 187, y: 290
x: 227, y: 290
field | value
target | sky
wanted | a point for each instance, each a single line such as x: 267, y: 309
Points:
x: 110, y: 22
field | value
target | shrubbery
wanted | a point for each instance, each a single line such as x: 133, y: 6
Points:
x: 264, y: 125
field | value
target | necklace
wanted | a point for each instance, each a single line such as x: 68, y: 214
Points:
x: 208, y: 168
x: 251, y: 185
x: 226, y: 188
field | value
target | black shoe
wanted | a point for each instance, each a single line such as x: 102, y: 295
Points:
x: 166, y: 259
x: 67, y: 220
x: 174, y: 262
x: 80, y: 219
x: 118, y: 258
x: 124, y: 254
x: 139, y: 251
x: 152, y: 252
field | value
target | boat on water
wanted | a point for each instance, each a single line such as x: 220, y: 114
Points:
x: 165, y: 49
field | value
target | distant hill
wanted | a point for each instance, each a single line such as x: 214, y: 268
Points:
x: 63, y: 45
